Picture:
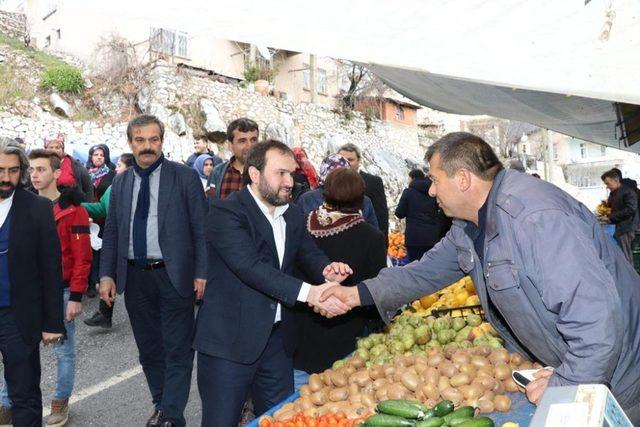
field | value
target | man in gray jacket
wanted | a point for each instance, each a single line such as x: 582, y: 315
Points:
x: 549, y: 280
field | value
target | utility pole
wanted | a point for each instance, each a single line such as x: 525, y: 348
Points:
x: 312, y: 78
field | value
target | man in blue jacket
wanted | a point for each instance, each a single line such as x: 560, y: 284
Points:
x: 548, y: 278
x: 244, y: 328
x: 154, y: 248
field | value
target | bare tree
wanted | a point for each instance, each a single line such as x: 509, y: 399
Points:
x: 360, y: 82
x: 119, y: 67
x: 355, y: 76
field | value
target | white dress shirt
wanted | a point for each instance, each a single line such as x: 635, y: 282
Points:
x: 279, y: 227
x: 5, y: 207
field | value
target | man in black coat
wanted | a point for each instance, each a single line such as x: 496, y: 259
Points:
x: 632, y: 184
x: 30, y: 285
x: 426, y: 224
x: 624, y: 206
x: 244, y: 329
x: 374, y: 187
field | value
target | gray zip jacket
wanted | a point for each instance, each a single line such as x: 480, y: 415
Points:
x: 561, y: 290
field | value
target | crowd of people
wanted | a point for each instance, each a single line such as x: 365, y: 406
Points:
x: 263, y: 267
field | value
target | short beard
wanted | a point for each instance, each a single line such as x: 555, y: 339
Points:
x: 5, y: 194
x: 271, y: 196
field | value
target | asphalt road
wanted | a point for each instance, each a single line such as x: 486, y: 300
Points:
x: 110, y: 388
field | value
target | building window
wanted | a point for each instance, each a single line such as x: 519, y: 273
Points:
x: 170, y: 42
x: 555, y: 152
x: 583, y: 150
x: 399, y: 112
x: 47, y: 41
x: 525, y: 148
x: 321, y: 79
x: 603, y: 150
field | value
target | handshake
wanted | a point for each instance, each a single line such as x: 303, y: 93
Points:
x: 331, y: 299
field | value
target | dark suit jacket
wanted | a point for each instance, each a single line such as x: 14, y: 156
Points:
x: 245, y: 279
x: 374, y: 189
x: 181, y: 215
x: 624, y: 206
x: 424, y: 220
x: 35, y: 267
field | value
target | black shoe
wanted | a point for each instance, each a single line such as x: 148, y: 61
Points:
x: 155, y: 420
x: 91, y: 291
x: 98, y: 319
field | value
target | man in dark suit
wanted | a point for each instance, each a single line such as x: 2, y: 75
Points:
x: 154, y: 248
x: 374, y: 187
x: 30, y: 285
x: 254, y: 238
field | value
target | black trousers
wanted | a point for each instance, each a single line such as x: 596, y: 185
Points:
x: 224, y: 385
x: 624, y: 241
x: 162, y: 322
x: 21, y: 372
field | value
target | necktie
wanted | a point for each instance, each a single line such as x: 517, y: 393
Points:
x: 142, y: 210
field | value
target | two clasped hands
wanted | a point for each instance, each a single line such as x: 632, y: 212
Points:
x: 331, y: 299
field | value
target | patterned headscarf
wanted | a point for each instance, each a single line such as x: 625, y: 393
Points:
x: 330, y: 163
x: 58, y: 137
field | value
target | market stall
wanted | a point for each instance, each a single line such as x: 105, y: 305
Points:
x: 438, y: 349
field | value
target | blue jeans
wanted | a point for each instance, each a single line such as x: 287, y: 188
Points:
x: 65, y: 352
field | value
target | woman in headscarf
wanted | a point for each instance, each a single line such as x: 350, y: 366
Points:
x: 101, y: 174
x: 101, y: 169
x: 313, y: 199
x: 337, y: 227
x: 204, y: 165
x: 305, y: 177
x: 98, y: 211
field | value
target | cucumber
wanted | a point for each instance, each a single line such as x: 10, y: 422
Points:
x: 384, y: 420
x: 477, y: 422
x: 429, y: 413
x: 431, y: 422
x: 402, y: 408
x: 463, y: 412
x: 457, y: 421
x: 443, y: 408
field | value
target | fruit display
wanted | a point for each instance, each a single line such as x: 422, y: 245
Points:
x: 410, y: 413
x: 603, y: 209
x: 300, y: 420
x: 476, y: 377
x: 414, y: 334
x: 459, y: 294
x: 396, y: 248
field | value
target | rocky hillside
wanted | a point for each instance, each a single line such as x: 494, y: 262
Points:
x: 188, y: 102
